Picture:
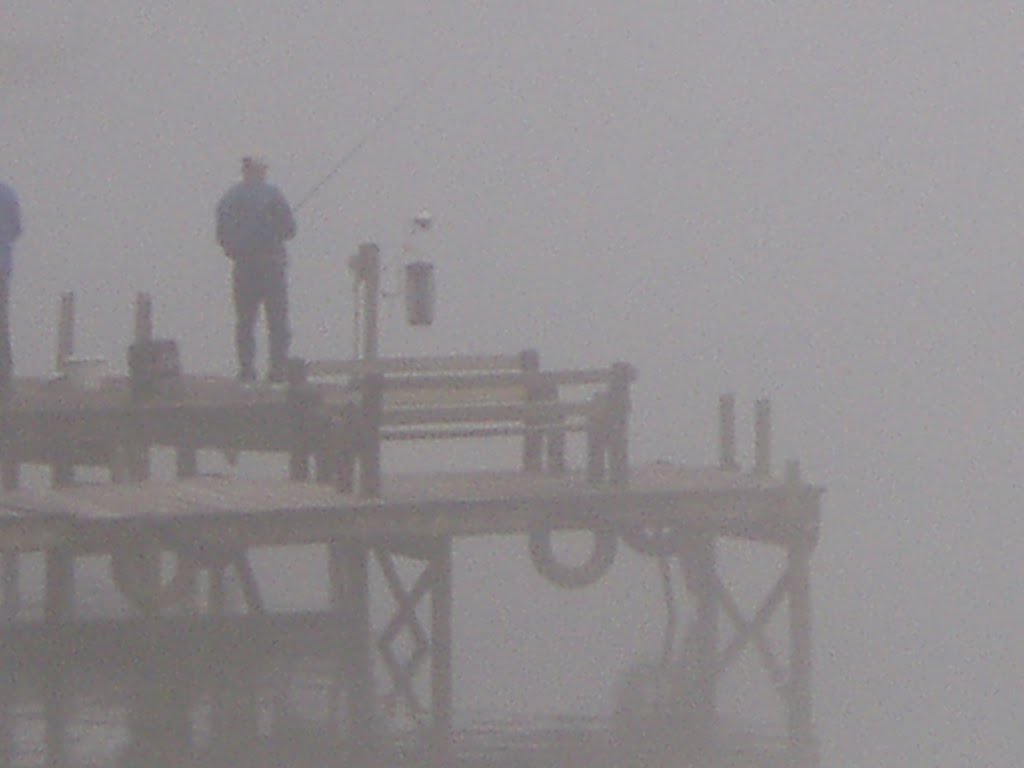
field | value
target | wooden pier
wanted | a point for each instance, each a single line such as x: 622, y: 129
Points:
x: 176, y: 544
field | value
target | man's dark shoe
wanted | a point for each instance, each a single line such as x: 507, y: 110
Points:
x: 277, y: 376
x: 246, y: 375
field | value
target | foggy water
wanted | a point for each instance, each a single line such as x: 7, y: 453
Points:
x: 816, y: 204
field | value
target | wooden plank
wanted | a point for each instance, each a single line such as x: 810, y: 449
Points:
x: 534, y: 413
x: 391, y: 365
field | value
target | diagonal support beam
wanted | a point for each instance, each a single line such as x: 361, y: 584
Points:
x: 403, y: 672
x: 752, y: 631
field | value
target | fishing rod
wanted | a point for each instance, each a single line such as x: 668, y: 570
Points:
x: 377, y: 126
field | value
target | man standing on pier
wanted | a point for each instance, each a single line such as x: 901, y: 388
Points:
x: 253, y: 222
x: 10, y: 229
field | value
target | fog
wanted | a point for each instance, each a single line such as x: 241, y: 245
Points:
x: 810, y: 203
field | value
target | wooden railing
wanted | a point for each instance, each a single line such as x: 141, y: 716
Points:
x: 483, y: 396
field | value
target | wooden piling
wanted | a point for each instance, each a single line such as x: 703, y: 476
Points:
x: 59, y: 608
x: 65, y: 329
x: 372, y: 391
x: 441, y: 654
x: 143, y: 318
x: 618, y: 427
x: 799, y: 716
x: 763, y: 437
x: 358, y: 666
x: 727, y: 432
x: 533, y: 441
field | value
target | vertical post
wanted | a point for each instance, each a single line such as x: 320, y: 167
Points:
x: 8, y: 662
x: 597, y: 437
x: 135, y: 451
x: 65, y: 329
x: 10, y: 594
x: 302, y: 404
x: 143, y: 318
x: 800, y: 724
x: 441, y: 653
x: 533, y: 440
x: 8, y: 700
x: 372, y: 387
x: 186, y: 461
x: 763, y: 437
x: 701, y: 552
x: 10, y: 469
x: 359, y: 649
x: 10, y: 472
x: 159, y: 730
x: 727, y: 432
x: 618, y: 431
x: 368, y: 272
x: 59, y: 606
x: 62, y: 471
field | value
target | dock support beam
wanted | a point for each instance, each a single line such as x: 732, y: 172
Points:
x: 60, y: 579
x: 702, y: 556
x: 441, y: 703
x: 799, y: 713
x: 763, y: 437
x: 358, y: 661
x: 727, y: 432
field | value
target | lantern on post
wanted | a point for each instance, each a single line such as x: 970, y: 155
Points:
x: 419, y: 276
x: 419, y: 293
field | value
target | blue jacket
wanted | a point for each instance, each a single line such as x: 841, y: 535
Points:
x: 10, y: 226
x: 253, y: 219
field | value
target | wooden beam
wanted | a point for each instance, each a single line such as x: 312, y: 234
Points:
x: 65, y: 329
x: 762, y: 437
x: 727, y: 432
x: 751, y: 631
x: 441, y: 632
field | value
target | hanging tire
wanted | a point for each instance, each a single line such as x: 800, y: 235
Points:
x: 136, y: 575
x: 602, y: 555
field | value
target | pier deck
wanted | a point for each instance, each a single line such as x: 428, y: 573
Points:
x: 100, y: 517
x: 362, y: 517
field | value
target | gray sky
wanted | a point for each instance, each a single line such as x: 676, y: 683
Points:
x: 813, y: 203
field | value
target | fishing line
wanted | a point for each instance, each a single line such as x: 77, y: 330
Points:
x: 375, y: 128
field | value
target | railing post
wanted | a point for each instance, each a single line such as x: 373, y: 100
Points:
x: 533, y: 440
x: 441, y: 652
x: 135, y: 452
x: 302, y: 406
x: 618, y: 428
x: 65, y: 329
x: 365, y: 266
x: 372, y: 391
x: 727, y: 432
x: 597, y: 437
x: 143, y: 318
x: 59, y: 609
x: 800, y: 726
x: 763, y: 437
